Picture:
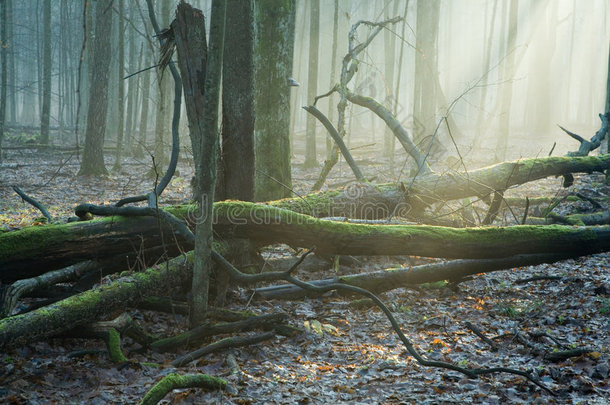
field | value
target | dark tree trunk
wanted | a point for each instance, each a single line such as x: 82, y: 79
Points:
x: 46, y: 75
x: 93, y: 154
x: 121, y: 98
x: 237, y: 156
x: 3, y: 66
x: 273, y: 66
x: 142, y: 132
x: 202, y: 72
x: 426, y: 69
x: 312, y: 82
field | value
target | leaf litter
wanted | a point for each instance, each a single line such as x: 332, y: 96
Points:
x: 347, y: 353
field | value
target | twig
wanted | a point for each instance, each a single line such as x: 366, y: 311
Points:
x: 477, y: 331
x: 222, y: 344
x: 338, y: 140
x: 33, y: 202
x: 526, y: 211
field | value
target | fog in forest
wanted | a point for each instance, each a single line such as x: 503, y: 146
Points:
x: 492, y: 78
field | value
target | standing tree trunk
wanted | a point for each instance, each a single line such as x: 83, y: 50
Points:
x: 273, y: 66
x: 202, y: 111
x: 607, y: 110
x: 121, y: 98
x: 3, y: 67
x: 426, y: 69
x: 9, y: 22
x: 389, y: 44
x: 142, y: 132
x: 46, y: 75
x: 426, y: 65
x: 312, y: 82
x: 236, y: 171
x: 487, y: 47
x: 132, y: 88
x: 332, y: 150
x: 507, y: 91
x: 93, y: 154
x: 162, y: 110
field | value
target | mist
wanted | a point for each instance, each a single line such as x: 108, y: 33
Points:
x: 503, y: 73
x: 555, y: 68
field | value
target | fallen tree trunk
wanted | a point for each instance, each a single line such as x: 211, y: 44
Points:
x: 391, y: 279
x: 92, y: 305
x: 35, y: 250
x: 368, y: 201
x: 267, y: 225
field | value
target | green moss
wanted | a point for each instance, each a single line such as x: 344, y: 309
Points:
x: 315, y: 204
x: 173, y: 381
x: 152, y: 365
x: 422, y: 240
x: 114, y: 347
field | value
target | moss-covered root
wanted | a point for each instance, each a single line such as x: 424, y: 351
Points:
x: 113, y: 342
x: 174, y: 381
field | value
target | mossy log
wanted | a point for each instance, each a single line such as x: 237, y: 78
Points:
x: 265, y: 224
x: 369, y: 201
x: 594, y: 218
x: 90, y: 306
x: 175, y: 381
x: 36, y: 250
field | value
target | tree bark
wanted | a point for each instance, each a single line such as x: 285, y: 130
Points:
x: 426, y: 68
x: 93, y: 154
x: 143, y: 130
x: 121, y: 95
x: 386, y: 280
x: 311, y: 159
x: 275, y: 21
x: 35, y: 250
x: 236, y: 171
x: 3, y: 67
x: 46, y: 75
x: 208, y: 154
x: 30, y: 252
x: 93, y: 305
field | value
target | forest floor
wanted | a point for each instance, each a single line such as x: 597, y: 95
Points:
x: 353, y: 357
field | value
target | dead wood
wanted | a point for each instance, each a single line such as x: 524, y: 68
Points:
x: 387, y: 280
x: 176, y: 381
x: 196, y: 335
x: 92, y: 305
x: 36, y: 250
x: 587, y: 146
x: 225, y: 343
x: 267, y: 225
x: 11, y: 294
x: 338, y: 141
